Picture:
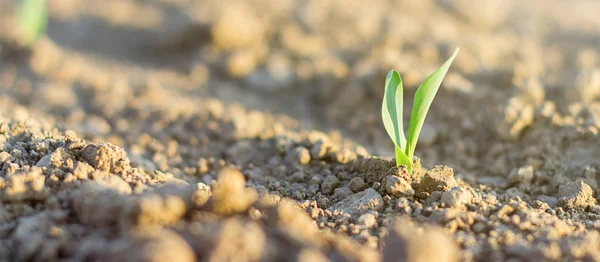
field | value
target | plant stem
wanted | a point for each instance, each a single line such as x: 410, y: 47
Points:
x: 398, y: 151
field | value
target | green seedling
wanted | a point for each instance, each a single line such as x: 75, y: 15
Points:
x: 33, y: 18
x: 391, y: 111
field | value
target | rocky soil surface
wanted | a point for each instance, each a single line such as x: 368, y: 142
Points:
x: 180, y: 130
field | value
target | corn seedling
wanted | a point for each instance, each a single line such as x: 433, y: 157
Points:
x: 391, y: 111
x: 33, y: 18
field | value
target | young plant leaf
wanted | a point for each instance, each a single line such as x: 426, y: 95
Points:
x: 391, y: 112
x: 423, y: 99
x: 32, y: 20
x: 402, y: 159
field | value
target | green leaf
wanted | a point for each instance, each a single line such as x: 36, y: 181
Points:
x: 32, y: 20
x: 391, y: 109
x: 391, y: 112
x: 423, y: 99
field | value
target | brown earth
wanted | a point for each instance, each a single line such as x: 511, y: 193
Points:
x: 180, y: 130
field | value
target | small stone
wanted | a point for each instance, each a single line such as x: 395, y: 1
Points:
x: 4, y: 156
x: 329, y: 184
x: 440, y: 178
x: 376, y: 186
x: 230, y: 195
x: 106, y: 157
x: 359, y: 203
x: 201, y: 194
x: 299, y: 155
x: 345, y: 156
x: 368, y: 220
x: 82, y: 170
x: 575, y: 195
x: 456, y: 196
x: 434, y: 197
x: 357, y: 184
x: 398, y: 187
x: 319, y: 150
x: 342, y: 192
x: 45, y: 161
x: 521, y: 175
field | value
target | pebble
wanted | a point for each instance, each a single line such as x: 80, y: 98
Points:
x: 575, y: 195
x: 398, y: 187
x: 4, y: 156
x: 45, y: 161
x: 299, y: 155
x: 457, y: 196
x: 359, y: 203
x: 440, y: 178
x: 368, y: 220
x: 521, y: 175
x: 357, y: 184
x: 329, y: 184
x: 230, y: 194
x: 342, y: 192
x: 318, y: 150
x: 345, y: 156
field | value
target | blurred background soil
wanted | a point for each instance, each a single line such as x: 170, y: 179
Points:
x: 199, y: 119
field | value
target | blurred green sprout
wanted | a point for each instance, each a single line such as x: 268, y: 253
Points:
x: 391, y: 111
x: 33, y: 18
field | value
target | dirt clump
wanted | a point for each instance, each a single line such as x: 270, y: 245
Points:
x: 407, y: 243
x: 440, y: 178
x: 359, y: 203
x: 398, y: 187
x: 230, y: 195
x: 575, y: 195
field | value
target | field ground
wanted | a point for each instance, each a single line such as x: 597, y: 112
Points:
x: 234, y: 130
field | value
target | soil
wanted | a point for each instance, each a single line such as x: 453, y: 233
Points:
x: 180, y: 130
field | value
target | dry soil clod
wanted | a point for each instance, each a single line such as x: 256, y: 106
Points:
x: 576, y: 195
x: 440, y: 178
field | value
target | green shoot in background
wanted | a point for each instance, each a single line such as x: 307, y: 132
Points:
x: 32, y: 20
x: 391, y: 111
